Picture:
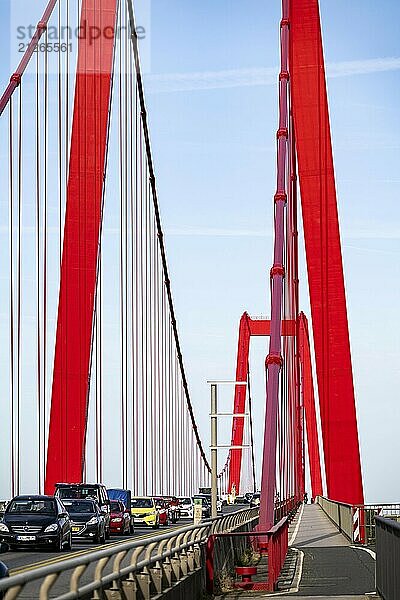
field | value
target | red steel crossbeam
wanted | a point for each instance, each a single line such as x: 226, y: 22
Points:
x: 323, y: 253
x: 69, y: 402
x: 261, y: 327
x: 248, y: 327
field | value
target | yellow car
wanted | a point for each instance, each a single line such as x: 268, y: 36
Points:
x: 144, y: 511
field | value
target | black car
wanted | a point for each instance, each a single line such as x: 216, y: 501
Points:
x: 88, y: 521
x: 93, y: 491
x: 36, y: 521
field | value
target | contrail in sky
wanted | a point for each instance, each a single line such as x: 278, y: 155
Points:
x: 231, y: 78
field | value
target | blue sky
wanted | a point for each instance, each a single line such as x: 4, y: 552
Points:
x: 212, y: 102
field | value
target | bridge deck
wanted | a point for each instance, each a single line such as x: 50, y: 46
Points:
x: 328, y: 566
x: 331, y: 568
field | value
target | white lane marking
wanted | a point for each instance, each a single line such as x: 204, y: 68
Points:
x: 296, y: 529
x: 299, y: 572
x: 370, y: 552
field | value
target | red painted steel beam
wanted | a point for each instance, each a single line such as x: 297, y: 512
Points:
x: 248, y: 327
x: 274, y: 359
x: 307, y: 391
x: 323, y: 253
x: 70, y: 391
x: 239, y: 404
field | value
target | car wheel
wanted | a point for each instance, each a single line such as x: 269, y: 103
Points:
x: 68, y: 545
x: 59, y: 546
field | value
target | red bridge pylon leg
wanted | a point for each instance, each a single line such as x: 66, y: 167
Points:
x: 323, y: 253
x: 307, y: 391
x: 239, y: 404
x: 248, y: 327
x: 70, y: 391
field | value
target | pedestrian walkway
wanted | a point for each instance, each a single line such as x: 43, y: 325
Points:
x: 331, y: 566
x: 328, y: 566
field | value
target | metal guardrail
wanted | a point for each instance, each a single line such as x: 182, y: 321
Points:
x: 274, y: 543
x: 340, y: 514
x: 357, y: 521
x: 387, y: 558
x: 139, y: 569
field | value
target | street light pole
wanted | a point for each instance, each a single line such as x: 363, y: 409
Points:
x: 214, y: 450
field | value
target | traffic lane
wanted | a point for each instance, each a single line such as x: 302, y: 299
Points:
x: 24, y: 559
x: 62, y: 584
x: 21, y: 560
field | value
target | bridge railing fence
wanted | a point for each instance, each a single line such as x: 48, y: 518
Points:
x: 140, y: 569
x: 358, y: 521
x: 262, y: 552
x: 339, y: 513
x: 387, y: 558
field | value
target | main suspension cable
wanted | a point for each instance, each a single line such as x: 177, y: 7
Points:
x: 160, y: 234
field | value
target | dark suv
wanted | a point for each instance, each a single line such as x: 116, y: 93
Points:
x: 87, y: 520
x: 36, y: 521
x: 94, y: 491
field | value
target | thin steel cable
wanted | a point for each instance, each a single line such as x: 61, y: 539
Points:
x: 45, y: 241
x: 59, y: 138
x: 19, y: 266
x: 250, y: 402
x: 133, y: 308
x: 126, y: 244
x: 121, y: 256
x: 136, y: 416
x: 11, y: 291
x: 38, y: 277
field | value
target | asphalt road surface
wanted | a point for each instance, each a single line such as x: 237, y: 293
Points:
x: 19, y: 561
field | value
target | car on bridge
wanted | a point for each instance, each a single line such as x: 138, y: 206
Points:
x: 124, y: 496
x: 186, y: 507
x: 174, y: 508
x: 255, y: 499
x: 162, y: 509
x: 120, y: 518
x: 80, y: 491
x: 206, y: 504
x: 144, y: 511
x: 87, y: 520
x: 33, y: 521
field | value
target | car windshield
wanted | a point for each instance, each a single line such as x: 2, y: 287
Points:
x: 185, y: 501
x: 142, y: 503
x: 32, y: 507
x: 80, y: 506
x: 77, y: 493
x: 116, y: 506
